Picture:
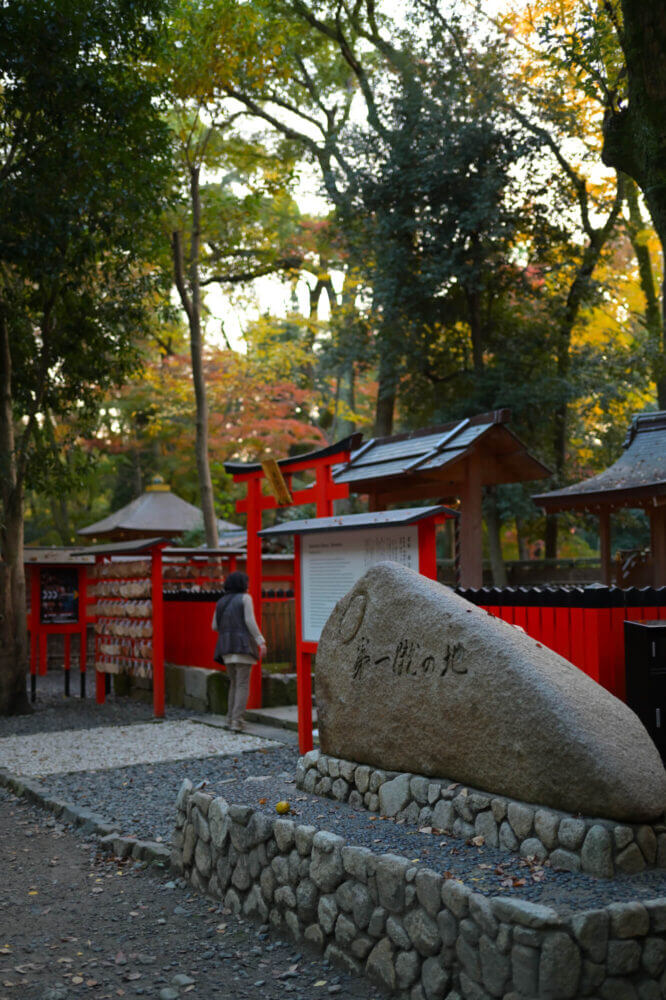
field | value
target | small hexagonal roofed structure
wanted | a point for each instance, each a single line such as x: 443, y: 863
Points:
x: 637, y: 479
x: 158, y: 511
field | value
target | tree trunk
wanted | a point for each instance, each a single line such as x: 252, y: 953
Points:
x: 191, y: 300
x: 476, y: 328
x: 13, y: 633
x: 493, y: 527
x: 196, y: 344
x: 655, y: 322
x: 520, y: 539
x: 578, y: 293
x: 387, y: 389
x: 635, y: 131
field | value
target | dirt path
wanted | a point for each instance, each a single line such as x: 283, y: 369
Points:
x: 75, y: 923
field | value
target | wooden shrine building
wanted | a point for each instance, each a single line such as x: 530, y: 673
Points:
x: 637, y: 479
x: 442, y: 464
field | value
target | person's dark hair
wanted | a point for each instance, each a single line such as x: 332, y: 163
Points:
x: 236, y: 583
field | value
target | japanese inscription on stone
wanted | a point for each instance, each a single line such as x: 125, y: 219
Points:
x: 409, y: 659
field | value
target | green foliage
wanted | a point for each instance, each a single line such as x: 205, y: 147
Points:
x: 82, y: 157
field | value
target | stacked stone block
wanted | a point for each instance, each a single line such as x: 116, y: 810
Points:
x: 414, y: 933
x: 571, y: 843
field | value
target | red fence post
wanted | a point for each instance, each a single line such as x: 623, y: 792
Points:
x: 158, y: 633
x: 303, y: 663
x: 253, y: 565
x: 427, y: 540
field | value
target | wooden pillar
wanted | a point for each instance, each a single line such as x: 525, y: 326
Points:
x: 471, y: 525
x: 303, y: 662
x: 323, y: 484
x: 253, y: 569
x: 157, y: 586
x: 605, y: 546
x: 427, y: 530
x: 83, y: 628
x: 658, y: 545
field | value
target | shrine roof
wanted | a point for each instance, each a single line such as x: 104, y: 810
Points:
x: 427, y: 457
x: 56, y: 555
x: 346, y: 444
x: 158, y: 511
x: 637, y: 478
x: 345, y: 522
x: 129, y: 547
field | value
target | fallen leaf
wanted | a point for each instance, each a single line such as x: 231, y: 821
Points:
x: 77, y: 980
x: 262, y: 802
x: 321, y: 982
x: 479, y: 841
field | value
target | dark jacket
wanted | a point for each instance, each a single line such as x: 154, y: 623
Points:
x: 233, y: 634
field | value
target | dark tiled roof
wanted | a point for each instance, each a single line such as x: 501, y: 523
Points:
x: 638, y: 474
x: 346, y: 444
x: 424, y: 454
x: 344, y: 522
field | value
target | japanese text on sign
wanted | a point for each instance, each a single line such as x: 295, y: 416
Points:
x: 332, y: 563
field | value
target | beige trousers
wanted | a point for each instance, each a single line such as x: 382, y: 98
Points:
x: 239, y: 685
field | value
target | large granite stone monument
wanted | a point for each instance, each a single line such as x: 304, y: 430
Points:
x: 410, y: 677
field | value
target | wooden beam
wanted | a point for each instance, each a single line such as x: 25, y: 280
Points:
x: 605, y: 545
x: 658, y: 545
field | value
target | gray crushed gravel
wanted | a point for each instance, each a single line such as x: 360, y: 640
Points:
x: 131, y: 795
x: 141, y: 799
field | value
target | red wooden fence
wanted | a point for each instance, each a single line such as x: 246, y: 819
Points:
x: 583, y: 625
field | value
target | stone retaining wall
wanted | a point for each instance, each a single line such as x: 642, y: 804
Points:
x: 408, y: 929
x: 571, y: 843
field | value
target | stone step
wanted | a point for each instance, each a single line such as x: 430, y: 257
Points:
x: 284, y: 716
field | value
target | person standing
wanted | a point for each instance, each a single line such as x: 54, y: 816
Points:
x: 239, y: 643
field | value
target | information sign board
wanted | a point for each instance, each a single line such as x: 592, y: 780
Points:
x: 332, y: 562
x: 59, y: 596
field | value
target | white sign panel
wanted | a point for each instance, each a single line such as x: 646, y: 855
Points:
x: 332, y: 562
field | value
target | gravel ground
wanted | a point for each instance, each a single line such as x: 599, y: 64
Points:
x: 52, y: 711
x: 70, y: 750
x: 76, y: 923
x: 263, y: 778
x: 141, y: 798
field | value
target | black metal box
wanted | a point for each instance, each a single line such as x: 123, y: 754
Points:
x: 645, y: 671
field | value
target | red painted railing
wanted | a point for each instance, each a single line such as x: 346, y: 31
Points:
x: 584, y: 625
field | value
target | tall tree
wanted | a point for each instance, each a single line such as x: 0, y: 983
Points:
x: 82, y: 153
x: 635, y: 121
x: 232, y: 220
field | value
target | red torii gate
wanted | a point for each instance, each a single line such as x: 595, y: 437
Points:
x: 323, y: 492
